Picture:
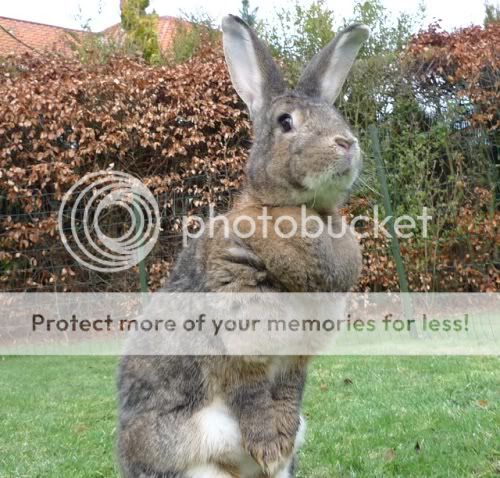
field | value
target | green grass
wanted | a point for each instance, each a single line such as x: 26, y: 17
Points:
x: 367, y: 417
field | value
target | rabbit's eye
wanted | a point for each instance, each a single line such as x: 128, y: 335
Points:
x: 286, y: 122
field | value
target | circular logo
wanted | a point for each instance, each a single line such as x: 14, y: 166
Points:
x: 99, y: 236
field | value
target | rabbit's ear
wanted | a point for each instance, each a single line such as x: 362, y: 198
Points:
x: 254, y: 73
x: 326, y: 73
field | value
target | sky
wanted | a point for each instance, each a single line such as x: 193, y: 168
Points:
x: 103, y: 13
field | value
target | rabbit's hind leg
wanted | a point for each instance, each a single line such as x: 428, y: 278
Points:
x: 140, y: 471
x: 290, y: 470
x: 210, y: 471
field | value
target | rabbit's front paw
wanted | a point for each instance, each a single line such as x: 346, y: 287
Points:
x: 270, y: 454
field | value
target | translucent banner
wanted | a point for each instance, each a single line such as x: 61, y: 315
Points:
x: 249, y: 324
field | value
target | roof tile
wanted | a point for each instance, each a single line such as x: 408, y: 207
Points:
x: 25, y: 35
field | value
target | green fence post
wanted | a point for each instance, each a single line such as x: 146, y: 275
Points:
x: 143, y: 272
x: 382, y: 179
x: 395, y: 247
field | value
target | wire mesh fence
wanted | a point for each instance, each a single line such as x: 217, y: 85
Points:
x: 33, y: 256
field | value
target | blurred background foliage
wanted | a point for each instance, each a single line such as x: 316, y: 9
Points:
x: 141, y: 29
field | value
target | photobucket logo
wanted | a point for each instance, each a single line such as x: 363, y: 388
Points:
x: 84, y: 214
x: 307, y: 226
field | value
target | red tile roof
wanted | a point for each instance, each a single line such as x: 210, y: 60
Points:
x: 166, y: 31
x: 18, y: 36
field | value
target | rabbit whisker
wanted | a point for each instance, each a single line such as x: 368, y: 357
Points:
x: 364, y: 183
x: 314, y: 199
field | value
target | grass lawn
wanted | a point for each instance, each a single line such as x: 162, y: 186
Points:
x: 367, y: 417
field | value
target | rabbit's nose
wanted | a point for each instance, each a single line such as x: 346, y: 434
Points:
x: 344, y: 143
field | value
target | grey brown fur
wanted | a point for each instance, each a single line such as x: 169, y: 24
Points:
x: 163, y: 399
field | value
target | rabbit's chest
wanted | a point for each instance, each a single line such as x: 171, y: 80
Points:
x: 276, y: 366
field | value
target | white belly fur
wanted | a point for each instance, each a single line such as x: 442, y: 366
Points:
x: 218, y: 438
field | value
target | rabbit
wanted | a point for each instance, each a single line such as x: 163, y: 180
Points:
x: 223, y: 416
